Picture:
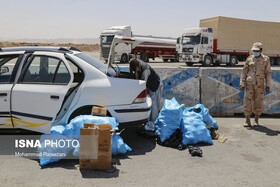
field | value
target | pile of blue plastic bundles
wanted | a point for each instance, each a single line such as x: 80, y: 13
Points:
x: 194, y: 125
x: 71, y: 131
x: 169, y: 119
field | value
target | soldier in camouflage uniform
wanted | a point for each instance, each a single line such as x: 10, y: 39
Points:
x: 256, y: 72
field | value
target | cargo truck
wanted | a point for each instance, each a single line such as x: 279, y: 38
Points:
x: 228, y: 40
x: 144, y: 47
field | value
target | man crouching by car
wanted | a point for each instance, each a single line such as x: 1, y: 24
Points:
x: 143, y: 71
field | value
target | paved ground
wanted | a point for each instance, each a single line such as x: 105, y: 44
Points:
x: 158, y: 63
x: 250, y: 157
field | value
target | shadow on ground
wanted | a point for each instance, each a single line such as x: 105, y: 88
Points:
x: 265, y: 130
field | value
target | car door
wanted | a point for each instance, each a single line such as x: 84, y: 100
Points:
x: 7, y: 74
x: 39, y: 93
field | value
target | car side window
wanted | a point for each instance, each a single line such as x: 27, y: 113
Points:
x: 62, y: 76
x: 45, y: 69
x: 7, y: 64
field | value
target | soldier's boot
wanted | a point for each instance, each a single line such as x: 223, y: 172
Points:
x: 248, y: 122
x: 256, y: 121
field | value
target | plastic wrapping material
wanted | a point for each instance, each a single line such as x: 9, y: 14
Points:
x: 169, y: 119
x: 71, y: 132
x: 194, y: 129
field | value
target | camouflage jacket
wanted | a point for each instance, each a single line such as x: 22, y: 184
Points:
x: 255, y: 70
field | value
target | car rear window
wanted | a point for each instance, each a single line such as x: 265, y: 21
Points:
x: 97, y: 64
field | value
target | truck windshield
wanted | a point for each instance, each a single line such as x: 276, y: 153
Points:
x: 106, y: 40
x: 193, y: 40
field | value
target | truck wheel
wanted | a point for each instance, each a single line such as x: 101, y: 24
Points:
x: 233, y: 61
x: 165, y: 60
x: 217, y: 63
x: 177, y: 58
x: 145, y: 57
x: 277, y: 62
x: 207, y: 61
x: 189, y: 63
x: 124, y: 58
x: 273, y: 61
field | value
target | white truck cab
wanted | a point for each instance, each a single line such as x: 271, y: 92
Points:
x: 122, y: 50
x: 195, y: 44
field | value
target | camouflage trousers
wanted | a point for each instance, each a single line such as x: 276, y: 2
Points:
x: 254, y: 95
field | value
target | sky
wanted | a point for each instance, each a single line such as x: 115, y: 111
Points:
x: 51, y: 19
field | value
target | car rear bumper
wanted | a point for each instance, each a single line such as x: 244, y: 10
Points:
x: 129, y: 114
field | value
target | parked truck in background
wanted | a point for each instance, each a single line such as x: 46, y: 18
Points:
x: 144, y: 47
x: 228, y: 40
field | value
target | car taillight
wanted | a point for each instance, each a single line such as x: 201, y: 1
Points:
x: 141, y: 98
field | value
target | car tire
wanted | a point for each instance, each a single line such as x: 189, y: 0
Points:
x: 124, y: 58
x: 165, y: 60
x: 233, y: 61
x: 208, y: 60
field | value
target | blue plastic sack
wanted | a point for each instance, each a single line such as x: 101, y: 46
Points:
x: 193, y: 128
x: 118, y: 145
x: 169, y: 119
x: 73, y: 128
x: 71, y: 132
x: 204, y: 112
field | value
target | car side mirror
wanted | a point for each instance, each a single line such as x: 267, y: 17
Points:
x: 4, y: 69
x: 178, y: 40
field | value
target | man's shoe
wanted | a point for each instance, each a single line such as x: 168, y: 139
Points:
x: 256, y: 121
x: 248, y: 122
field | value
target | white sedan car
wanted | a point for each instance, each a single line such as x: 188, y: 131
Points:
x: 45, y: 86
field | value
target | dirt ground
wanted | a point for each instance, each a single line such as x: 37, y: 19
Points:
x: 249, y: 157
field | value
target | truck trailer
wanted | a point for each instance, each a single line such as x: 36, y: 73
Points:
x: 144, y: 47
x: 228, y: 40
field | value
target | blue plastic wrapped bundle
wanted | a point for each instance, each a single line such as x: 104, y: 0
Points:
x: 118, y: 145
x: 204, y: 112
x: 73, y: 128
x: 169, y: 119
x: 193, y: 128
x: 71, y: 132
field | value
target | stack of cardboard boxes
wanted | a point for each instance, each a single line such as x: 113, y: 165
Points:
x: 95, y: 144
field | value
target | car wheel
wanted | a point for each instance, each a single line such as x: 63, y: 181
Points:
x: 124, y: 58
x: 233, y: 61
x: 145, y: 57
x: 207, y: 61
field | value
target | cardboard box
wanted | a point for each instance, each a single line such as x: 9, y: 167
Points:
x: 98, y: 111
x: 95, y: 147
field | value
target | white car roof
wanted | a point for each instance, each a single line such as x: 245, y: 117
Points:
x: 40, y: 48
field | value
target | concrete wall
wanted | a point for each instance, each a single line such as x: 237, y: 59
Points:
x: 183, y: 84
x: 221, y: 94
x: 216, y: 88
